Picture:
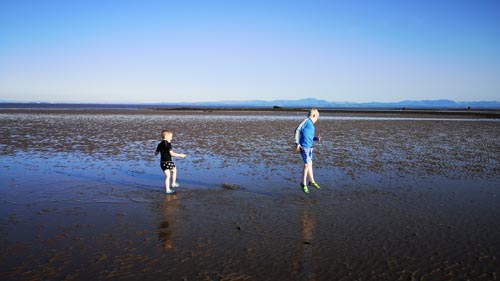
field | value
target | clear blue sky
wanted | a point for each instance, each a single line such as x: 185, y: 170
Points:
x: 182, y: 50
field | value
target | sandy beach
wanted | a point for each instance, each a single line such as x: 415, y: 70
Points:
x: 402, y: 197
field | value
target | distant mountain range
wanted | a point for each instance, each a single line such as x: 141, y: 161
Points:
x: 311, y: 102
x: 301, y: 103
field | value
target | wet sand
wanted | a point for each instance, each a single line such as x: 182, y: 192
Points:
x: 402, y: 198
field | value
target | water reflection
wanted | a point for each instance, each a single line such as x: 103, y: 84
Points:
x: 166, y: 229
x: 308, y: 222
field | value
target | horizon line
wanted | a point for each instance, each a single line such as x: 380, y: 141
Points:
x: 241, y: 101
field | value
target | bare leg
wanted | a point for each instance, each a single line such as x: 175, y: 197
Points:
x: 174, y: 176
x: 305, y: 172
x: 310, y: 172
x: 167, y: 180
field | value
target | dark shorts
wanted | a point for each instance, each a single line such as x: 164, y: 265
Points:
x: 167, y: 165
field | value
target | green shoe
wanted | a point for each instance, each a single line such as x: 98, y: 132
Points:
x: 304, y: 188
x: 314, y: 185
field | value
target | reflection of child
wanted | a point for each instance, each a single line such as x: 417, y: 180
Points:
x: 166, y: 163
x: 167, y: 228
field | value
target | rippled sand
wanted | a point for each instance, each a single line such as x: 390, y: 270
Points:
x: 401, y: 199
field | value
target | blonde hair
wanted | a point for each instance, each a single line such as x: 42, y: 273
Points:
x: 165, y: 132
x: 313, y: 111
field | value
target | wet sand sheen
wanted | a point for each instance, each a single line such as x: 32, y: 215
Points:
x: 400, y: 199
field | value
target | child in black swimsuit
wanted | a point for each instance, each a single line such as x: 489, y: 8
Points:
x: 166, y: 163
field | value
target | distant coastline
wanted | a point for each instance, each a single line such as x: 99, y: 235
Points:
x: 225, y: 108
x: 448, y: 105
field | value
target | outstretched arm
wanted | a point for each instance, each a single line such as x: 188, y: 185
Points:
x: 174, y: 154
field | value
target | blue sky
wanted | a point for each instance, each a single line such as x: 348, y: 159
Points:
x: 184, y: 51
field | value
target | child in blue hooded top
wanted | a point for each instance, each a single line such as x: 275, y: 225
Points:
x: 304, y: 138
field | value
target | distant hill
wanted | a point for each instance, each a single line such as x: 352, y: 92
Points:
x: 301, y: 103
x: 311, y: 102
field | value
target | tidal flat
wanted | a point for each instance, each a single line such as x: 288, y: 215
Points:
x: 401, y: 198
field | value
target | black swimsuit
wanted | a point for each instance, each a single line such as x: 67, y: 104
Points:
x: 166, y: 162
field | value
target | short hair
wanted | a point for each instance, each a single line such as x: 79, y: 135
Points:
x: 313, y: 111
x: 165, y: 132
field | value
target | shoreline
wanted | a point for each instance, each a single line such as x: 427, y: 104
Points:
x: 375, y: 112
x: 482, y: 113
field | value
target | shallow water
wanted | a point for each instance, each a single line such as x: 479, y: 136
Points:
x: 259, y: 144
x: 401, y: 198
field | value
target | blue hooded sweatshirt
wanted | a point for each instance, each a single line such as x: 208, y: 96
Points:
x: 304, y: 133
